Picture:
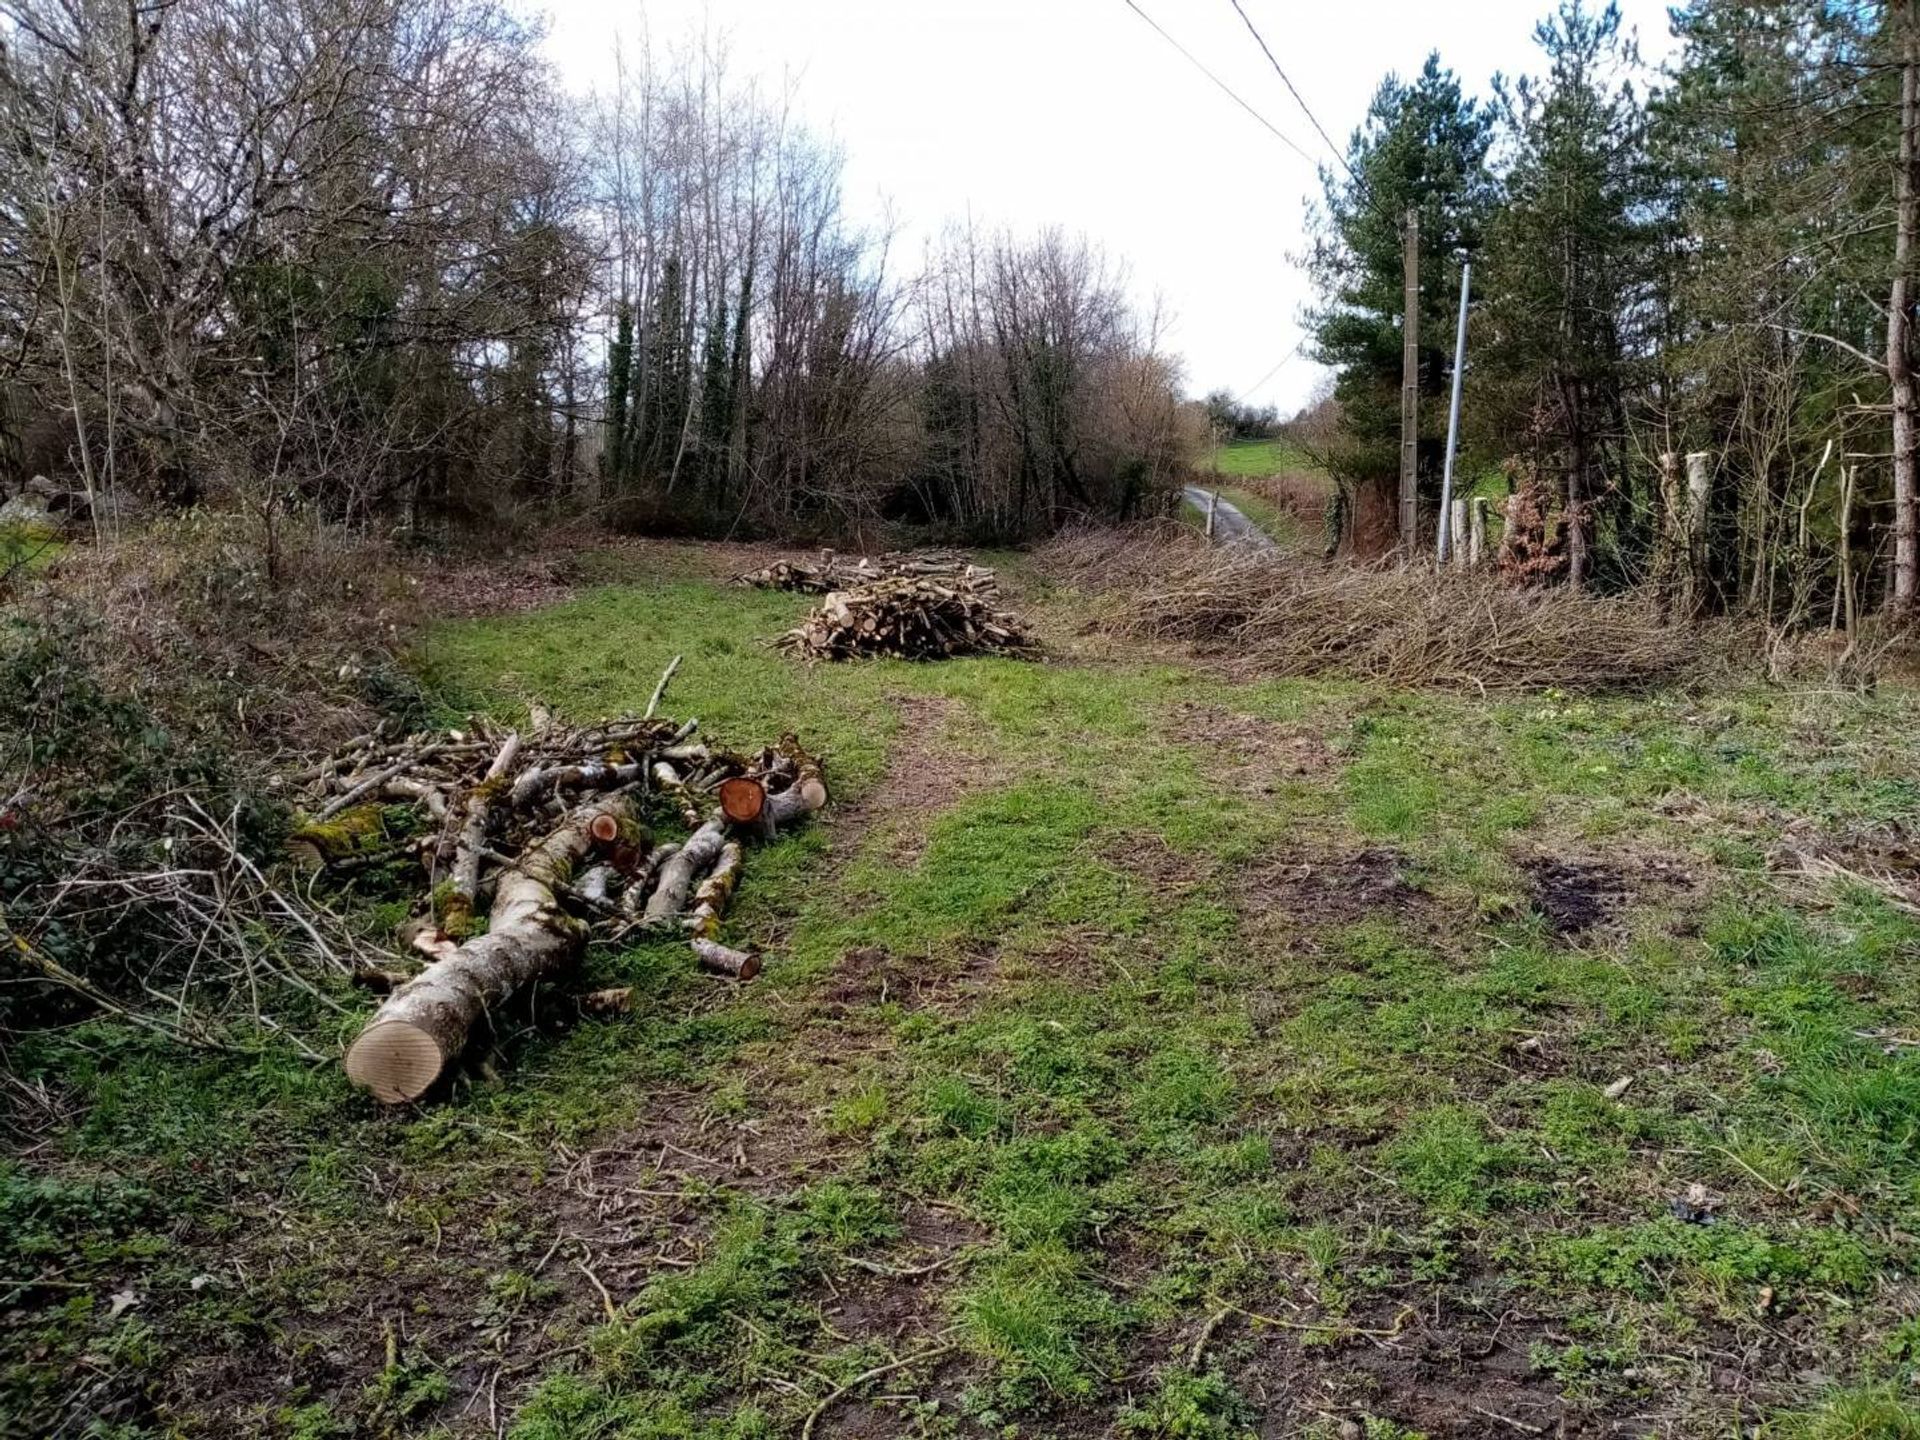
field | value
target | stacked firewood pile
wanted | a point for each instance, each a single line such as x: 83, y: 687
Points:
x: 550, y: 827
x: 917, y: 605
x: 909, y: 618
x: 839, y: 572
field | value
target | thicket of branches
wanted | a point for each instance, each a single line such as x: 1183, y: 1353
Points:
x: 365, y: 254
x: 1716, y: 258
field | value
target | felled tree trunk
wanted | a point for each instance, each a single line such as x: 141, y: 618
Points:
x: 803, y: 797
x: 425, y: 1024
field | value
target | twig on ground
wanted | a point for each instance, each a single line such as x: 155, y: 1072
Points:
x: 661, y: 689
x: 806, y: 1430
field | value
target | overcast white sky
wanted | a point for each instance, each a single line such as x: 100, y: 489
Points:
x: 1074, y: 112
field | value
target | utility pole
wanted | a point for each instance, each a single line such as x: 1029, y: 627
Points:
x: 1410, y: 393
x: 1453, y: 414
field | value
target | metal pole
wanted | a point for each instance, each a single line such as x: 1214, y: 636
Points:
x: 1453, y: 412
x: 1410, y: 393
x: 1213, y: 499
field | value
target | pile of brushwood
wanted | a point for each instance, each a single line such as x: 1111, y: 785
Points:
x: 1289, y: 617
x: 838, y: 572
x: 553, y: 826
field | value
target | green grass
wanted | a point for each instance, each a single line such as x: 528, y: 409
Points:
x: 1254, y: 457
x: 1117, y: 1034
x: 28, y: 548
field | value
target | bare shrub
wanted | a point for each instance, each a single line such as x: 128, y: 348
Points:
x: 1408, y: 628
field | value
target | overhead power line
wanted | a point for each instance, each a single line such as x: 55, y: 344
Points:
x: 1273, y: 372
x: 1233, y: 95
x: 1307, y: 110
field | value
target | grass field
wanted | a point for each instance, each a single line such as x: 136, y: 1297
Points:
x: 1141, y: 1053
x: 1253, y: 457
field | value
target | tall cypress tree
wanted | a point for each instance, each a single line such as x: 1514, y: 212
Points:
x: 740, y: 379
x: 716, y: 407
x: 613, y: 461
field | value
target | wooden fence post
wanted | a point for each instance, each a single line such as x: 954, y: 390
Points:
x: 1699, y: 490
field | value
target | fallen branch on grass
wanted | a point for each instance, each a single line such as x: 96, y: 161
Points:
x: 424, y: 1025
x: 931, y: 1353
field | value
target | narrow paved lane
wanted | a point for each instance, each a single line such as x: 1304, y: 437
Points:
x: 1230, y: 523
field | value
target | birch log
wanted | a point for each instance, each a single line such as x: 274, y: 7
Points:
x: 693, y: 859
x: 725, y: 960
x: 710, y: 900
x: 803, y: 797
x: 464, y: 884
x: 424, y: 1025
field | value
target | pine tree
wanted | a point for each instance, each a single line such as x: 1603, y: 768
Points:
x: 1563, y: 338
x: 1773, y: 143
x: 1423, y: 146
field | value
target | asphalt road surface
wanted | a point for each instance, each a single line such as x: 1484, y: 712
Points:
x: 1230, y: 523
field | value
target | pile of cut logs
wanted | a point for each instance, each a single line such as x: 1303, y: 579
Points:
x: 550, y: 824
x: 908, y: 618
x: 838, y: 572
x: 916, y: 605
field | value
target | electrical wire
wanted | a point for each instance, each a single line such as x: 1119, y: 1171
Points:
x: 1273, y: 372
x: 1232, y: 94
x: 1305, y: 109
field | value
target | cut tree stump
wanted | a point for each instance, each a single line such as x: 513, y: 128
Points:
x: 423, y: 1026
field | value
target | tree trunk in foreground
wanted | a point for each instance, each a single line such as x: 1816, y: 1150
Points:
x: 425, y: 1024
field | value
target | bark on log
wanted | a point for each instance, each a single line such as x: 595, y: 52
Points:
x: 805, y: 796
x: 425, y: 1024
x: 536, y: 784
x: 710, y: 900
x: 725, y: 960
x: 669, y: 897
x: 634, y: 899
x: 464, y: 884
